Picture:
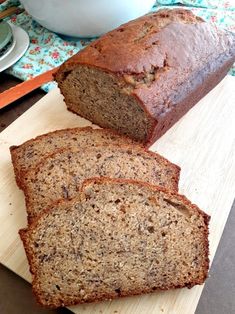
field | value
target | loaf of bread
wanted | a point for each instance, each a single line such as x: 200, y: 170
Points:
x: 140, y: 78
x: 27, y: 155
x: 61, y: 174
x: 117, y: 238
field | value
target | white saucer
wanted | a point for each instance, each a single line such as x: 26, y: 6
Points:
x: 9, y: 50
x: 22, y: 43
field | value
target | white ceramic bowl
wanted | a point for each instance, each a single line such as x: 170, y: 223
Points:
x: 85, y: 18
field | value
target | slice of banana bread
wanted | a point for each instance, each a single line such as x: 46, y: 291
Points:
x: 117, y: 238
x: 30, y: 153
x: 61, y: 174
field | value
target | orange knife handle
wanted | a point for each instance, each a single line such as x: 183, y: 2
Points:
x: 24, y: 88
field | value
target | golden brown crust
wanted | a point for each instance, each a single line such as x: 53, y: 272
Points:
x: 25, y: 234
x: 14, y: 162
x: 184, y: 70
x: 141, y: 33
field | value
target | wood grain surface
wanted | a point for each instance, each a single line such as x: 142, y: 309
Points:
x: 202, y: 143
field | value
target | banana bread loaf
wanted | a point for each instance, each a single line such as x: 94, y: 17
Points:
x: 140, y: 78
x: 61, y: 174
x: 118, y: 238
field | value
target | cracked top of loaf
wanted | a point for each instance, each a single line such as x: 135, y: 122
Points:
x: 166, y: 38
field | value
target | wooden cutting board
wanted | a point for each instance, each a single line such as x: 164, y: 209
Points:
x: 202, y: 143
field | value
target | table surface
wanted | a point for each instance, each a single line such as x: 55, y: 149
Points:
x: 218, y: 293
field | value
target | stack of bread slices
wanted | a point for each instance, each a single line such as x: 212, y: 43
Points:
x: 105, y: 218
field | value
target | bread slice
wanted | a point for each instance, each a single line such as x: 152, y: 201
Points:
x: 61, y: 174
x: 30, y: 153
x: 117, y: 238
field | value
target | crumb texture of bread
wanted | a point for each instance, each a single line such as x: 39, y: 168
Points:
x: 61, y: 174
x: 142, y: 77
x: 116, y: 238
x: 32, y: 152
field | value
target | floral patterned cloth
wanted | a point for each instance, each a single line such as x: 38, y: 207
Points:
x: 212, y: 4
x: 48, y: 50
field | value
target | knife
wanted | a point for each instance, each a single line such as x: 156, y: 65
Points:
x: 22, y: 89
